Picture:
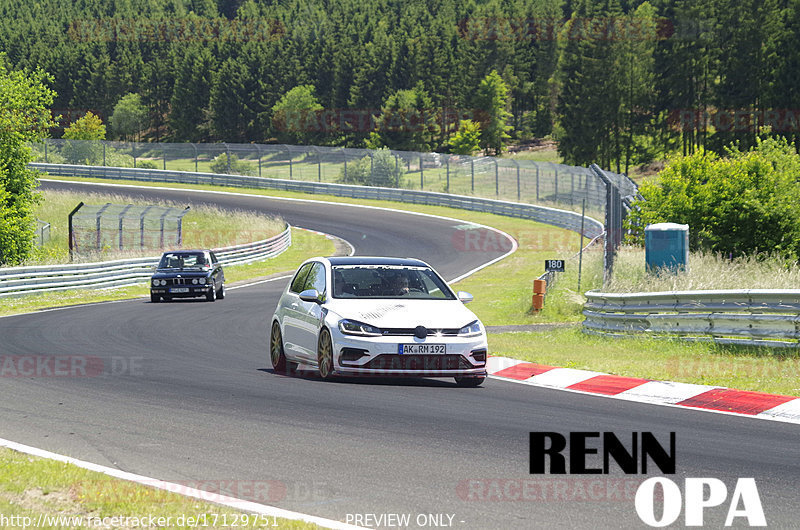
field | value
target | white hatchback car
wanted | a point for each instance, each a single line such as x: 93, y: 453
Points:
x: 377, y: 316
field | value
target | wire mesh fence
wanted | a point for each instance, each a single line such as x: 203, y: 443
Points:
x: 101, y: 227
x: 489, y: 177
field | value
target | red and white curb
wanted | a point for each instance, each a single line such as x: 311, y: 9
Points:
x: 703, y: 397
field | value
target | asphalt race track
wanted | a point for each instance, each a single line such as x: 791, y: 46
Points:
x: 187, y: 394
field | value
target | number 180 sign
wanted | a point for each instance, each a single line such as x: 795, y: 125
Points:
x: 554, y: 265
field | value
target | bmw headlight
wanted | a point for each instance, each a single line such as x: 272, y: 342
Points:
x: 155, y: 283
x: 472, y: 329
x: 194, y: 281
x: 353, y: 327
x: 163, y: 282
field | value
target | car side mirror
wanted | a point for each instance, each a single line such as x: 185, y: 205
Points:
x: 311, y: 295
x: 465, y: 297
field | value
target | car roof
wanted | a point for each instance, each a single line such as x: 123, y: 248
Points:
x: 376, y: 260
x: 186, y: 251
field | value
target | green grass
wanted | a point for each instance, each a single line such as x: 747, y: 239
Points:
x: 304, y: 245
x: 33, y: 487
x: 203, y: 227
x: 706, y: 271
x: 742, y: 368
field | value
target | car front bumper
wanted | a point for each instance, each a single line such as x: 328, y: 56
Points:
x: 193, y: 291
x: 380, y: 356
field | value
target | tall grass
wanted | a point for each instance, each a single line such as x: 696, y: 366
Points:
x: 706, y: 271
x: 203, y: 227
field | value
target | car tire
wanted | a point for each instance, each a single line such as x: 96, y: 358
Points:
x: 167, y: 298
x: 469, y: 382
x: 211, y: 295
x: 221, y: 293
x: 276, y: 354
x: 154, y: 298
x: 325, y: 355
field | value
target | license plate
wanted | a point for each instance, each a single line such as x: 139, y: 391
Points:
x: 421, y: 348
x: 179, y: 290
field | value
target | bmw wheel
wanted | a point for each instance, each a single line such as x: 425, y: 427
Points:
x: 154, y: 298
x: 325, y: 355
x: 276, y: 354
x: 469, y: 382
x: 221, y: 293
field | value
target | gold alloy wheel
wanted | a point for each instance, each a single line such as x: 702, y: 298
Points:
x: 325, y: 354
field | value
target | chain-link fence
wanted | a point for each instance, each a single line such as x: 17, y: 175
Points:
x: 100, y: 227
x: 489, y: 177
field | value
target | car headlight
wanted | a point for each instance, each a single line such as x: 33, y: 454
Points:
x: 471, y: 330
x: 163, y: 282
x: 155, y: 283
x: 194, y: 281
x: 353, y: 327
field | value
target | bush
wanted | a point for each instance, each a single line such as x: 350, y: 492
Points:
x: 381, y: 169
x: 237, y: 166
x: 147, y: 164
x: 742, y: 204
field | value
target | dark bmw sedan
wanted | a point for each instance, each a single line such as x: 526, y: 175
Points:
x: 188, y: 274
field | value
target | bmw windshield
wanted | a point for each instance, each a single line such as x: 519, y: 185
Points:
x: 181, y: 260
x: 387, y: 281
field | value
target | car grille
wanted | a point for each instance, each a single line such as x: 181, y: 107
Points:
x: 401, y: 332
x: 418, y: 362
x: 180, y: 281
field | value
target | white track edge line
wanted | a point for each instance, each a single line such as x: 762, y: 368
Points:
x: 232, y: 502
x: 514, y: 244
x: 659, y: 404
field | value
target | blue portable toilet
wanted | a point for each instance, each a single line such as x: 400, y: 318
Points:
x: 666, y: 245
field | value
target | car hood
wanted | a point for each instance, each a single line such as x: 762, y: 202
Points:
x: 186, y: 273
x: 400, y: 313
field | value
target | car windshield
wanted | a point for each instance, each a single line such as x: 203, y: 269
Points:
x: 387, y: 281
x: 182, y: 260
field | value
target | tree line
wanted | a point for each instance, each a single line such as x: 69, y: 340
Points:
x: 617, y: 82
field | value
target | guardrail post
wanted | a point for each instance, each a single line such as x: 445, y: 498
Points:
x: 179, y: 241
x: 98, y: 217
x: 555, y: 198
x: 472, y: 172
x: 496, y: 178
x: 371, y: 167
x: 537, y: 181
x: 163, y: 217
x: 121, y: 220
x: 45, y: 151
x: 421, y: 172
x: 397, y: 171
x: 195, y: 157
x: 519, y: 193
x: 141, y: 225
x: 71, y: 233
x: 258, y: 150
x: 447, y: 164
x: 228, y: 156
x: 104, y: 153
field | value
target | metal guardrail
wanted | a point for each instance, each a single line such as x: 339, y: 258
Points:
x: 524, y: 181
x: 542, y: 214
x: 45, y: 278
x: 755, y: 317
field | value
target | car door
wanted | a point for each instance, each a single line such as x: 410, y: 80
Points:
x: 218, y: 273
x: 310, y: 313
x: 291, y: 314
